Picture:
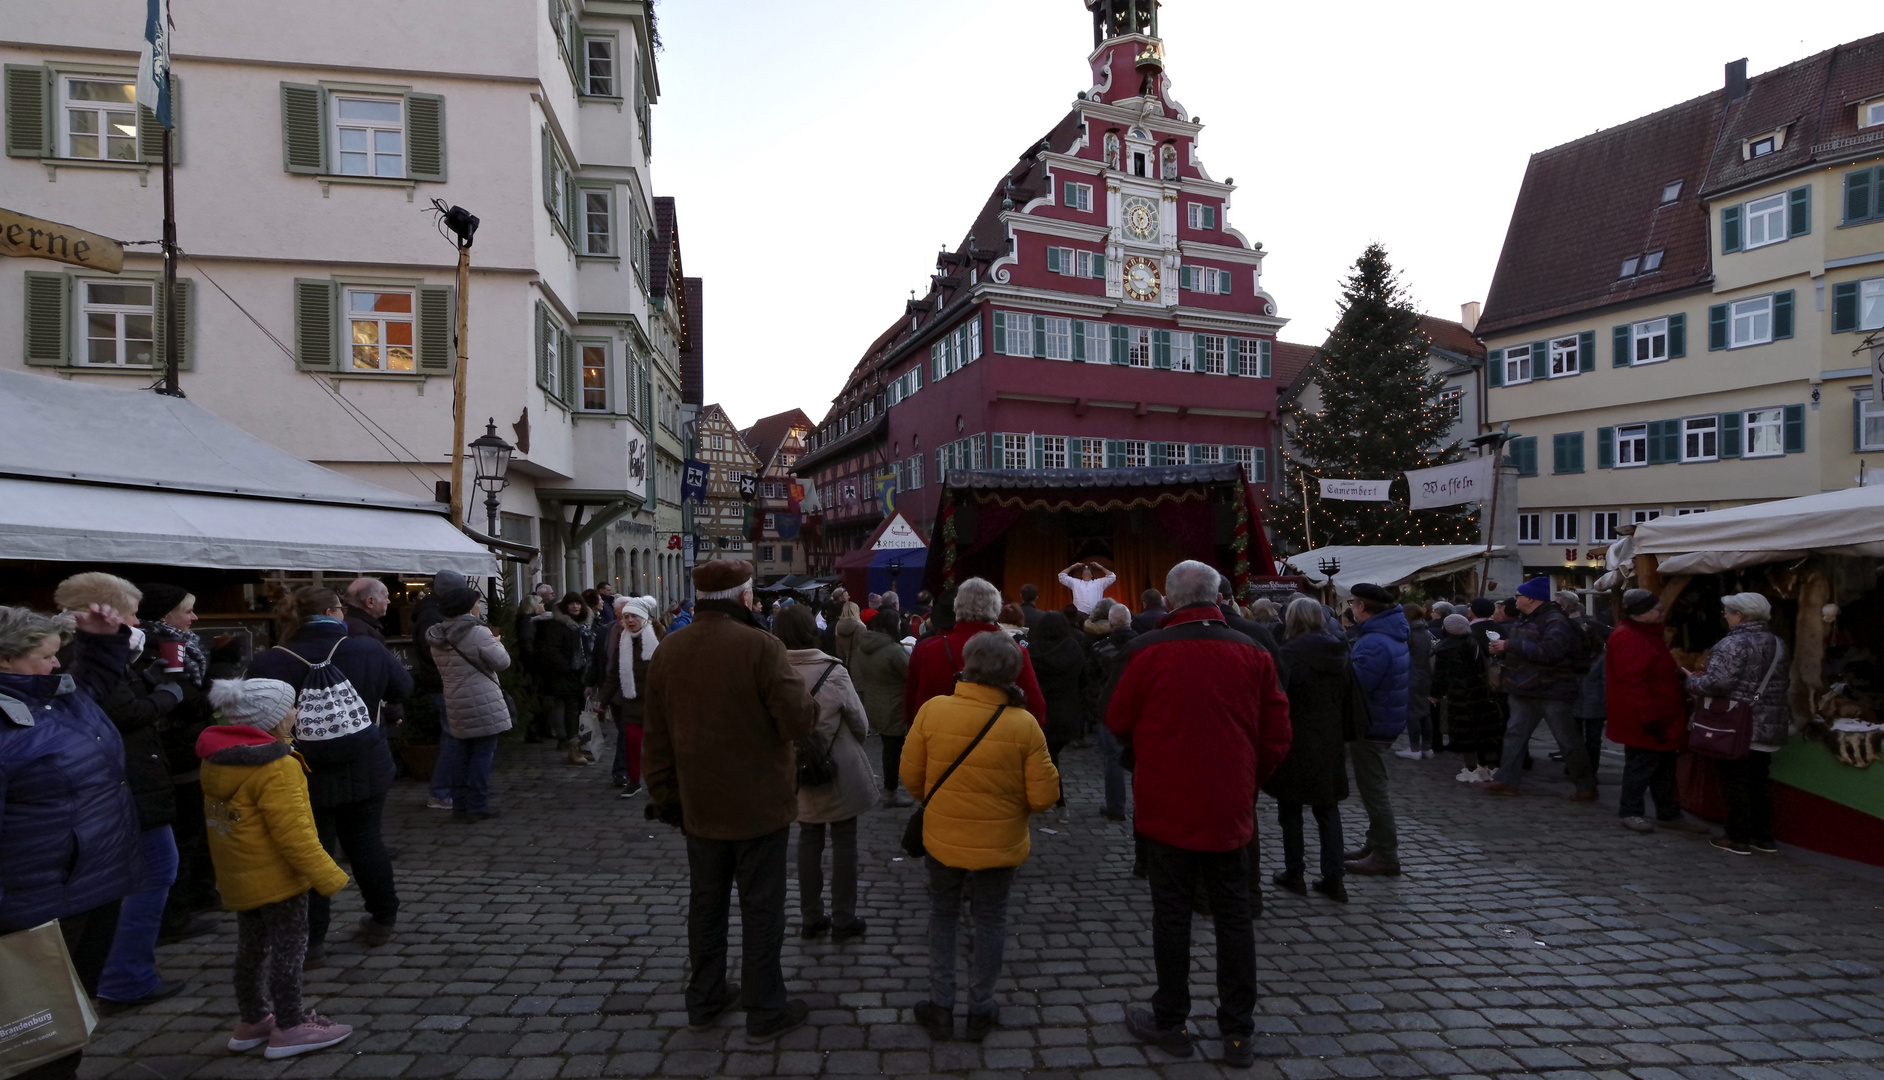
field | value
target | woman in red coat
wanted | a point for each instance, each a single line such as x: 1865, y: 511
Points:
x: 1648, y: 714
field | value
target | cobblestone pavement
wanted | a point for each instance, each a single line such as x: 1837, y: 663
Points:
x: 1527, y: 936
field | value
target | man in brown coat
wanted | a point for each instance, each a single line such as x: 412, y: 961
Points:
x: 722, y: 711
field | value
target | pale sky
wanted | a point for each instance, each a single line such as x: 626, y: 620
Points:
x: 821, y: 152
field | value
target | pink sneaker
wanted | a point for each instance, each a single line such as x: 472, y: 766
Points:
x: 250, y: 1036
x: 315, y: 1032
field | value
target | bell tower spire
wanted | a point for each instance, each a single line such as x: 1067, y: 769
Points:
x: 1118, y: 18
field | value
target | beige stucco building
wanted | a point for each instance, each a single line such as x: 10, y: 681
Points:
x: 1672, y: 323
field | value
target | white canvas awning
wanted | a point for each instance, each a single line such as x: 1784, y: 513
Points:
x: 1849, y: 522
x: 1386, y: 564
x: 90, y: 474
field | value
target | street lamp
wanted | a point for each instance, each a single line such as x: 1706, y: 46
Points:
x: 491, y: 458
x: 1329, y: 568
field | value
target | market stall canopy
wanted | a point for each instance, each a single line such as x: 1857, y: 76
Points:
x: 1387, y: 564
x: 91, y: 474
x: 1849, y: 522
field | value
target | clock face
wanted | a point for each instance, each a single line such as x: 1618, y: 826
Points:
x: 1141, y: 218
x: 1141, y: 278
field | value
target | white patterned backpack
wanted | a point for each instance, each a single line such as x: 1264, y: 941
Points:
x: 329, y: 705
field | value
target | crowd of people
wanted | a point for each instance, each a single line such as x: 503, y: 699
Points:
x: 147, y: 776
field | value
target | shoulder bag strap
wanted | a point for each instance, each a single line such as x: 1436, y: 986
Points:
x: 332, y: 651
x: 828, y: 668
x: 492, y: 675
x: 1770, y: 668
x: 958, y: 761
x: 296, y: 655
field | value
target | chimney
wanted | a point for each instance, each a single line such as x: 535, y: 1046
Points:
x: 1468, y: 315
x: 1736, y: 80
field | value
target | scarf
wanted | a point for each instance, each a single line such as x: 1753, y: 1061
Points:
x: 195, y: 660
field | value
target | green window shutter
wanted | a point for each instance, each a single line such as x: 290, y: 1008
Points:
x: 1209, y: 217
x: 425, y: 137
x: 1233, y: 357
x: 1540, y: 360
x: 1586, y: 351
x: 1717, y: 327
x: 1857, y: 192
x: 303, y: 129
x: 1263, y: 348
x: 186, y: 293
x: 1782, y: 314
x: 1158, y: 453
x: 542, y: 346
x: 1671, y: 440
x: 549, y: 172
x: 1576, y: 451
x: 1066, y: 199
x: 1729, y: 229
x: 316, y: 325
x: 1559, y: 453
x: 567, y: 354
x: 1039, y: 456
x: 1053, y: 260
x: 1677, y: 335
x: 1530, y: 456
x: 1187, y: 277
x: 1161, y: 349
x: 1730, y: 426
x: 1099, y: 266
x: 1799, y: 211
x: 1225, y: 282
x: 1495, y: 367
x: 29, y: 111
x: 1079, y: 340
x: 1000, y: 335
x: 1605, y: 447
x: 48, y: 316
x: 1795, y: 429
x: 1040, y: 335
x: 1120, y: 351
x: 1844, y: 307
x: 1655, y: 443
x: 1622, y: 342
x: 1115, y: 454
x: 437, y: 322
x: 150, y: 134
x: 1857, y: 425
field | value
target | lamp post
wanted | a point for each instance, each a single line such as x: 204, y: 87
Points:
x: 1330, y: 567
x: 490, y: 456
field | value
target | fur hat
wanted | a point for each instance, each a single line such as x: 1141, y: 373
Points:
x: 1457, y: 625
x: 1482, y: 607
x: 257, y: 703
x: 1371, y: 593
x: 80, y: 591
x: 1538, y: 588
x: 1639, y: 602
x: 721, y: 575
x: 459, y: 601
x: 159, y: 600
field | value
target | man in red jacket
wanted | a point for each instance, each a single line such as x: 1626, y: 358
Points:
x: 937, y: 659
x: 1648, y: 714
x: 1200, y: 707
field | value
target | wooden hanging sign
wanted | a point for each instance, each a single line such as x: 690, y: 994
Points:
x: 23, y: 237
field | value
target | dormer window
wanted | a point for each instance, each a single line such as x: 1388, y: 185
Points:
x: 1871, y: 114
x: 1761, y: 147
x: 1651, y: 261
x: 1629, y: 266
x: 1671, y: 191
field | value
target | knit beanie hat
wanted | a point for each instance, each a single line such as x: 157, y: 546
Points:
x: 159, y: 600
x: 1639, y: 602
x: 258, y: 703
x: 1538, y: 588
x: 643, y: 606
x: 1457, y: 625
x: 455, y: 602
x: 1482, y: 607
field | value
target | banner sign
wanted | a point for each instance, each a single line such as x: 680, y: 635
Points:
x: 748, y: 486
x: 693, y: 482
x: 886, y: 493
x: 898, y: 536
x: 1449, y: 485
x: 153, y: 63
x: 1355, y: 490
x: 786, y: 525
x: 25, y: 237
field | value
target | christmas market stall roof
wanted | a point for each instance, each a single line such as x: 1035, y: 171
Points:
x: 1386, y: 564
x: 90, y: 474
x: 1849, y: 522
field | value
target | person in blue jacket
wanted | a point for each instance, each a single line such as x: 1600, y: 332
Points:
x: 1382, y: 666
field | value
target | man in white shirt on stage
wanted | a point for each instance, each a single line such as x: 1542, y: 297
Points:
x: 1087, y: 590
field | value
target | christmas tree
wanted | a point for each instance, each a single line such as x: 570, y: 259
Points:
x: 1379, y: 416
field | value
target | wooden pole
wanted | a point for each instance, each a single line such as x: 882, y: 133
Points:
x: 1491, y: 527
x: 457, y: 387
x: 171, y: 334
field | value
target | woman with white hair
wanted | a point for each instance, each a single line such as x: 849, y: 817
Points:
x: 622, y: 684
x: 1748, y: 665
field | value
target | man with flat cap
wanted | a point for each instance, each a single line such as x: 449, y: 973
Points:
x: 722, y: 712
x: 1382, y: 665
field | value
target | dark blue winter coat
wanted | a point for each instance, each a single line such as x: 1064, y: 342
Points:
x: 68, y: 825
x: 357, y: 766
x: 1382, y: 664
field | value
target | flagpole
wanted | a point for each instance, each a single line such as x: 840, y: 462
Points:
x: 170, y: 386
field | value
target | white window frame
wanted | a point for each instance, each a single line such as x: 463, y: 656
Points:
x: 1080, y: 196
x: 1137, y: 454
x: 1530, y: 528
x: 1702, y: 429
x: 1138, y: 346
x: 1059, y: 338
x: 101, y: 113
x: 1870, y: 412
x: 1685, y: 511
x: 119, y: 315
x: 1769, y: 214
x: 589, y: 58
x: 409, y: 317
x: 1016, y: 451
x: 1639, y: 516
x: 553, y: 374
x: 1215, y: 359
x: 607, y: 195
x: 1195, y: 216
x: 373, y: 129
x: 1513, y: 365
x: 1060, y: 260
x: 582, y: 347
x: 1565, y: 356
x: 1092, y: 453
x: 1772, y: 425
x: 1648, y: 342
x: 1563, y: 527
x: 1603, y: 525
x: 1021, y: 344
x: 719, y: 442
x: 765, y: 551
x: 1751, y: 314
x: 1053, y: 451
x: 1871, y: 301
x: 1631, y: 441
x: 1089, y: 264
x: 1871, y: 114
x: 1452, y: 402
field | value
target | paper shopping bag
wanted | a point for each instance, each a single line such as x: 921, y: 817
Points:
x: 44, y: 1010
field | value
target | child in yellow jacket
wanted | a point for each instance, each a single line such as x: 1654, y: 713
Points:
x: 267, y: 855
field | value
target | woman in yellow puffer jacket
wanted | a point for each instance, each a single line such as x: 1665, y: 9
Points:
x: 267, y: 855
x: 975, y: 824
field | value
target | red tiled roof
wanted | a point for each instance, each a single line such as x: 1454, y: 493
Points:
x: 1287, y: 361
x: 1451, y: 336
x: 768, y: 432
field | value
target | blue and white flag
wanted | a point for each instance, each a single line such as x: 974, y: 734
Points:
x: 153, y: 66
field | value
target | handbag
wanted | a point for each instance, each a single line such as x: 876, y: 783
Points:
x: 45, y: 1012
x: 1725, y: 733
x: 912, y: 832
x: 815, y: 767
